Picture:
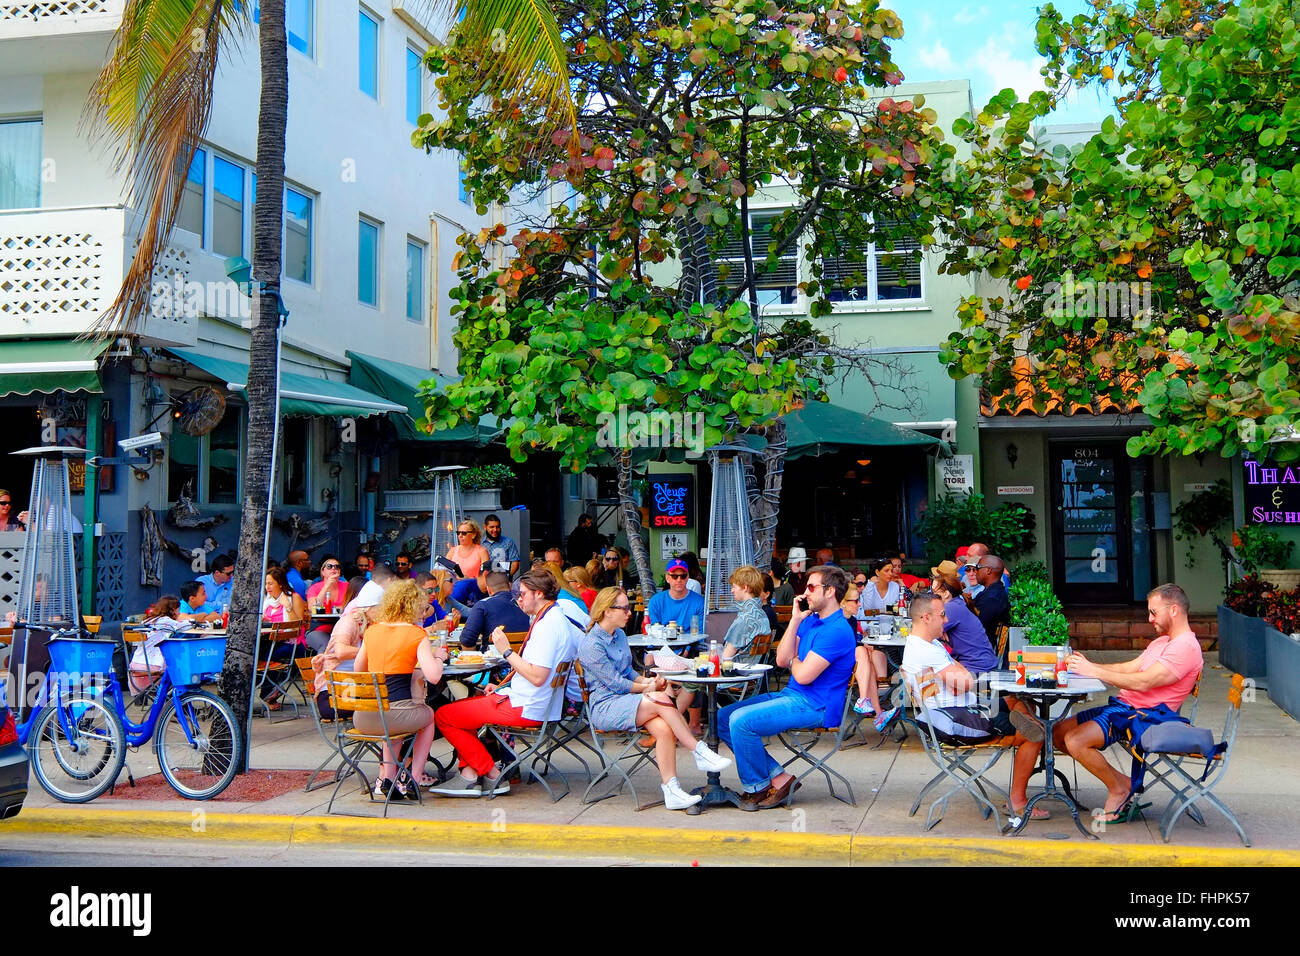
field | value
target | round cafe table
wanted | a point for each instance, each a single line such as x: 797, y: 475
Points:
x: 713, y: 793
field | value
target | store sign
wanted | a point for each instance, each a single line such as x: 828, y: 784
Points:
x: 1271, y: 492
x: 672, y: 501
x: 955, y: 475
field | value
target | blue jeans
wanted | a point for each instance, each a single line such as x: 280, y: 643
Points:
x: 743, y: 725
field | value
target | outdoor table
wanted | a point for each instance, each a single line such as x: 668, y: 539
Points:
x: 1078, y: 687
x: 645, y: 640
x: 328, y: 618
x: 892, y: 645
x: 713, y: 793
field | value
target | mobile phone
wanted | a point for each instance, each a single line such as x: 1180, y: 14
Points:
x: 802, y: 602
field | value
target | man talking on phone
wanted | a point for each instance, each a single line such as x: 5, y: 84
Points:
x: 817, y: 647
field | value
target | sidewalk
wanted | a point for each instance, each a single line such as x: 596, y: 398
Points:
x: 1262, y: 787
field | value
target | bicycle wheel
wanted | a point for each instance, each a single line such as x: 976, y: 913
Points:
x: 202, y: 769
x: 78, y: 766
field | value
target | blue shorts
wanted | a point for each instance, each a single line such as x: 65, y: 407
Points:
x: 1107, y: 716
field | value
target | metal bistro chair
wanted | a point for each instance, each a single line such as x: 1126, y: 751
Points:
x: 308, y: 674
x: 364, y: 691
x: 952, y: 759
x: 540, y: 742
x: 277, y: 674
x: 757, y: 653
x: 802, y: 740
x: 611, y: 763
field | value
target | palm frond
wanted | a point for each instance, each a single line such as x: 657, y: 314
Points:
x: 151, y: 103
x: 523, y: 54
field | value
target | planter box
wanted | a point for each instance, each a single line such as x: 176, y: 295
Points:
x: 1241, y: 645
x: 488, y: 499
x: 1283, y: 671
x: 485, y: 499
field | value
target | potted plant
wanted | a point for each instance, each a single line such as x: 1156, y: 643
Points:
x: 1037, y: 618
x: 1201, y: 514
x: 1282, y: 651
x: 481, y: 486
x: 1262, y: 551
x: 1242, y: 647
x: 952, y: 521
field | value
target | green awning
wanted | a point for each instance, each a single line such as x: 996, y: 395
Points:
x: 820, y: 428
x: 400, y: 383
x: 50, y: 365
x: 299, y: 394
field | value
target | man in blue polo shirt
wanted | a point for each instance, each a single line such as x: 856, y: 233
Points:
x: 818, y: 649
x: 677, y: 603
x: 217, y: 584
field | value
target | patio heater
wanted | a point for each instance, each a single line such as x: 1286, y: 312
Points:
x: 731, y: 536
x: 47, y: 591
x: 447, y: 513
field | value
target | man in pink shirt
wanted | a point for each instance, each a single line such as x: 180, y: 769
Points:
x: 1164, y: 673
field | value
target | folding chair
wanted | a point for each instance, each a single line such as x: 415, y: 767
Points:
x: 757, y: 654
x: 133, y: 634
x: 801, y: 741
x: 541, y: 742
x: 1167, y: 767
x: 628, y: 740
x: 278, y: 674
x: 951, y: 759
x: 362, y: 692
x: 308, y: 674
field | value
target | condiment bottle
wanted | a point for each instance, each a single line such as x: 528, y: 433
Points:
x: 1061, y: 679
x: 715, y: 659
x: 1020, y: 668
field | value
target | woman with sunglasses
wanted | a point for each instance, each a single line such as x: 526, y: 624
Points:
x: 468, y: 553
x: 618, y: 699
x: 7, y: 520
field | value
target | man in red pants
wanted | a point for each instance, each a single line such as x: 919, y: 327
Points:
x: 526, y: 701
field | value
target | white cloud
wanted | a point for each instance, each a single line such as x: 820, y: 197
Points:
x: 966, y: 15
x: 937, y: 59
x: 1003, y: 70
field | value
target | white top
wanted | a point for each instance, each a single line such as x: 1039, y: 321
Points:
x: 870, y: 599
x: 553, y: 640
x: 159, y: 629
x: 919, y: 654
x: 694, y: 585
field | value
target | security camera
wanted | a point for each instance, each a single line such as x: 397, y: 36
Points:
x: 140, y: 441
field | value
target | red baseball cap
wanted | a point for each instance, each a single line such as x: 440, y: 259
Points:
x: 961, y: 552
x: 677, y: 564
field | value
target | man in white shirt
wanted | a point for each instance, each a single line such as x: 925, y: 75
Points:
x: 952, y: 712
x: 526, y: 702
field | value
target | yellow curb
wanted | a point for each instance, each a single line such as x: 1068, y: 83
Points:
x: 570, y: 840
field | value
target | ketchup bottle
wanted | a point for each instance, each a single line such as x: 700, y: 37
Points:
x: 1020, y: 668
x: 715, y: 660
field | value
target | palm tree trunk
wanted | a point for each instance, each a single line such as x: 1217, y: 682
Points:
x: 765, y: 507
x: 632, y: 524
x: 263, y: 406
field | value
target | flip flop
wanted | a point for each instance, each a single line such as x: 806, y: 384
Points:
x: 1129, y: 811
x: 1038, y: 813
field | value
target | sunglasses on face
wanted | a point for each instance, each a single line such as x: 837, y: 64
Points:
x: 678, y: 576
x: 861, y: 582
x: 611, y: 558
x: 621, y: 607
x: 329, y: 567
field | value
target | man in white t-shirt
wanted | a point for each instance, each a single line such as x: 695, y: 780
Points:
x: 952, y: 712
x: 526, y: 702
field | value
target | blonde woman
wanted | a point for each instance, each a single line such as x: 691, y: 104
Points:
x: 620, y: 700
x: 468, y: 552
x: 580, y: 582
x: 394, y: 646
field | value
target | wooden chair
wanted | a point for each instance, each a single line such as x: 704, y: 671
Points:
x: 611, y: 762
x: 362, y: 692
x: 133, y: 634
x: 952, y: 758
x: 277, y: 673
x: 1004, y: 634
x: 6, y: 642
x: 308, y: 675
x: 801, y: 741
x: 783, y: 612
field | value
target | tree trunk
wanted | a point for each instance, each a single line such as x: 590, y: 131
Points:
x: 767, y: 508
x: 632, y: 525
x: 268, y: 215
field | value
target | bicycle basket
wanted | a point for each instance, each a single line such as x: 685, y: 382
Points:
x: 75, y: 655
x: 191, y: 659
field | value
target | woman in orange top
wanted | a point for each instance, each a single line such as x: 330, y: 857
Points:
x: 394, y: 646
x: 469, y: 553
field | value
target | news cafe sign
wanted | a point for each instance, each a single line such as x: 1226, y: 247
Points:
x: 1271, y: 492
x: 672, y: 501
x: 955, y: 475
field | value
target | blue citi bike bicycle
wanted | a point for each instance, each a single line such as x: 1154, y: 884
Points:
x: 79, y: 744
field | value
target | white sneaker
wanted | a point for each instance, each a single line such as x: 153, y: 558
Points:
x: 708, y: 761
x: 675, y: 798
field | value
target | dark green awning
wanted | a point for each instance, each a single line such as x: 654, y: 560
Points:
x: 821, y: 428
x: 299, y: 394
x: 400, y: 383
x: 50, y: 365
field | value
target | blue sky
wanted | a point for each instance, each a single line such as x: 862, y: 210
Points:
x: 989, y: 43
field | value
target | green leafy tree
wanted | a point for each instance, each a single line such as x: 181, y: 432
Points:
x: 1163, y: 253
x: 614, y: 295
x: 951, y: 521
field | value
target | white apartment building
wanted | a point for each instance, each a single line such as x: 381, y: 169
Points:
x: 370, y: 230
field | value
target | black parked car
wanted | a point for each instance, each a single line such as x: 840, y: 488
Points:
x: 13, y: 767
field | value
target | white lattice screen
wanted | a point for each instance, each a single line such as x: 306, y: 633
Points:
x: 45, y: 9
x: 55, y: 273
x: 11, y: 564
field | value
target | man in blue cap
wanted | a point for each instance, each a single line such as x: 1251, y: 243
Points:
x: 678, y: 603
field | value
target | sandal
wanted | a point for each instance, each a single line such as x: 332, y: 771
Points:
x: 1038, y: 813
x: 1129, y: 811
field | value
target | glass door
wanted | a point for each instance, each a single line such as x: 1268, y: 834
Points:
x: 1091, y: 522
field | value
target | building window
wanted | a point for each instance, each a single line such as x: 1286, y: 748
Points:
x: 368, y: 262
x: 297, y: 235
x: 20, y: 164
x: 414, y: 281
x: 295, y: 444
x: 298, y: 16
x: 778, y: 285
x: 190, y: 216
x: 227, y: 207
x: 206, y: 467
x: 863, y: 276
x: 368, y: 54
x: 414, y: 86
x: 461, y: 192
